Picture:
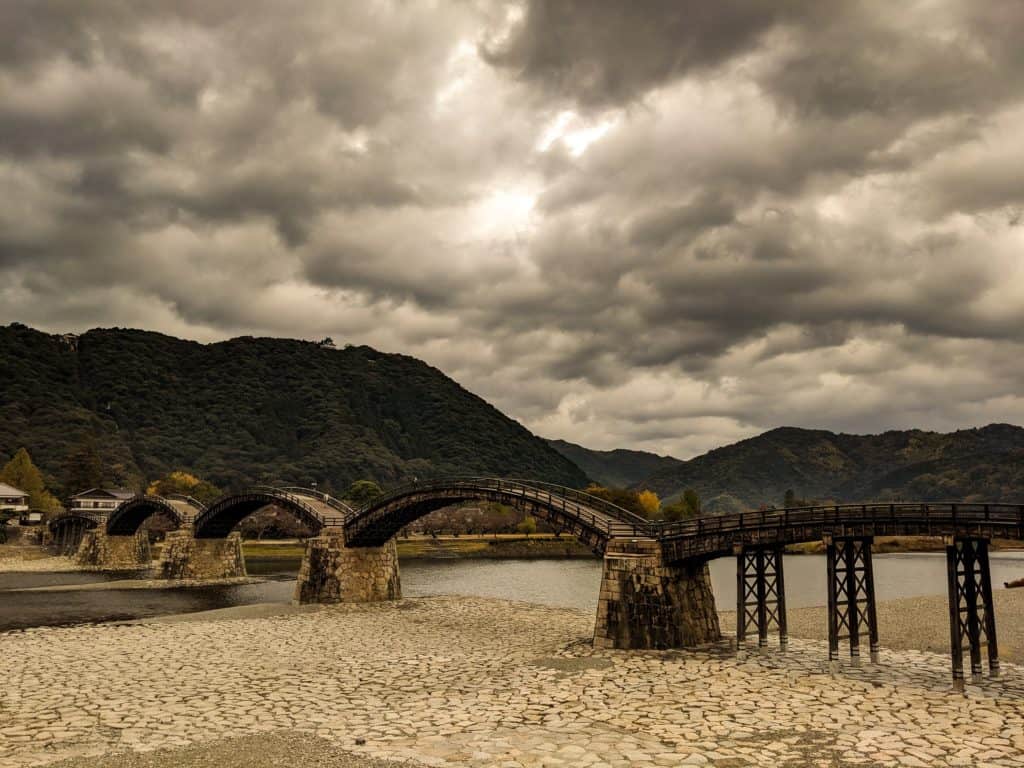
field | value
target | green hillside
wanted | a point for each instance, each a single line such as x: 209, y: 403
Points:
x: 619, y: 467
x: 984, y: 464
x: 251, y: 410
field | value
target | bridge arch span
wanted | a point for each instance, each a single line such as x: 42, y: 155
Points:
x: 85, y: 522
x: 133, y: 513
x: 67, y: 529
x: 315, y: 510
x: 592, y: 520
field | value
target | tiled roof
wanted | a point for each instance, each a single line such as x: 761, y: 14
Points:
x: 10, y: 490
x: 117, y: 493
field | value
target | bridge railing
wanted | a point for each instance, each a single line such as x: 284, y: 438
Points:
x: 598, y: 513
x: 935, y: 514
x: 325, y: 498
x: 590, y: 501
x: 190, y: 500
x: 298, y: 500
x: 97, y: 516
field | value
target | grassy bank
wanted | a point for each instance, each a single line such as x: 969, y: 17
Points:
x: 470, y: 547
x: 898, y: 544
x: 447, y: 548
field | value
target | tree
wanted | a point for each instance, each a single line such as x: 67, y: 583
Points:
x: 686, y: 508
x: 23, y: 474
x: 629, y: 500
x: 692, y: 502
x: 789, y: 500
x: 649, y: 503
x: 83, y: 468
x: 273, y: 522
x: 362, y: 492
x: 185, y: 484
x: 528, y: 526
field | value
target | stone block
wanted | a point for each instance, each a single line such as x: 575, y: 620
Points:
x: 334, y: 573
x: 646, y: 603
x: 186, y: 557
x: 101, y: 552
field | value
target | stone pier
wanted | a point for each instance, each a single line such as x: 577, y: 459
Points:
x: 186, y: 557
x: 646, y: 603
x: 101, y: 552
x: 334, y: 573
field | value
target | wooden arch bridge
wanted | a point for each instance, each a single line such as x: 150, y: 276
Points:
x: 655, y: 589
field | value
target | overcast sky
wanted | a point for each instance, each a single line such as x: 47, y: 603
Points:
x: 663, y: 225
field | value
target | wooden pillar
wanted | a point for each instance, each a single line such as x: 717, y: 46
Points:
x: 760, y: 593
x: 989, y: 608
x: 972, y: 621
x: 871, y: 612
x: 780, y: 597
x: 851, y: 595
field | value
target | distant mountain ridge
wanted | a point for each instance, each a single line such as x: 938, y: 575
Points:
x: 981, y: 464
x: 252, y: 410
x: 619, y: 468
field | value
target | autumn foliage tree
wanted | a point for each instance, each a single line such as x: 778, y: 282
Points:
x: 527, y: 526
x: 645, y: 503
x: 23, y: 475
x: 649, y: 503
x: 186, y: 484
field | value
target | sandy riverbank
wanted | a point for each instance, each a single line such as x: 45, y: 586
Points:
x: 913, y: 623
x: 17, y: 559
x: 465, y: 681
x: 141, y: 583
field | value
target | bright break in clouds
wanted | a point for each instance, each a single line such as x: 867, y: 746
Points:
x: 662, y: 225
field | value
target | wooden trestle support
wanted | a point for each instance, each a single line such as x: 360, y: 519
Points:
x: 760, y: 594
x: 851, y: 595
x: 761, y: 599
x: 972, y: 621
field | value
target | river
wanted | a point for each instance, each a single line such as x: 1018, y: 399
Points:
x: 570, y: 583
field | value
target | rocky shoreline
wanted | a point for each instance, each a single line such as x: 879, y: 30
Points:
x: 35, y: 561
x: 470, y: 681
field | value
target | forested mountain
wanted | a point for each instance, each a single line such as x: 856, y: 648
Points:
x: 250, y: 410
x: 984, y: 464
x: 619, y: 467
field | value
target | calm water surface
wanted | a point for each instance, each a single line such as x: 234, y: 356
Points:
x: 568, y: 583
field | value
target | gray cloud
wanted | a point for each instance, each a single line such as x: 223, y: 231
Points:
x: 605, y: 52
x: 663, y: 225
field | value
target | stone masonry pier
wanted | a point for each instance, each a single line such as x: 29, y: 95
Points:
x: 186, y: 557
x: 647, y: 604
x: 102, y: 552
x: 334, y: 573
x: 644, y: 603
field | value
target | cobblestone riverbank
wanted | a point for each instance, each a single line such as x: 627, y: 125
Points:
x: 458, y: 681
x: 33, y: 560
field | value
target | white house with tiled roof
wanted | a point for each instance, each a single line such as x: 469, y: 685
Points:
x: 13, y: 499
x: 99, y: 499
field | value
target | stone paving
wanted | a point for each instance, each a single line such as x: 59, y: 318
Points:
x: 480, y: 682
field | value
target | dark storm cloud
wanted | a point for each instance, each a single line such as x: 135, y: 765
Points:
x: 657, y: 224
x: 604, y: 52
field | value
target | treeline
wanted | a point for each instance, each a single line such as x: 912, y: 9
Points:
x: 985, y: 464
x: 647, y: 504
x: 120, y: 407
